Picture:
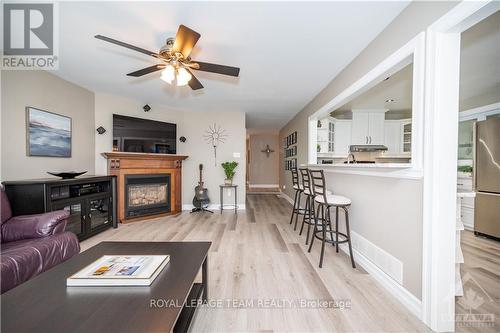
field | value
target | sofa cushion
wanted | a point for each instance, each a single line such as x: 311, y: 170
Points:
x: 25, y: 259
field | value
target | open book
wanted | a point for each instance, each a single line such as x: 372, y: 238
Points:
x: 134, y: 270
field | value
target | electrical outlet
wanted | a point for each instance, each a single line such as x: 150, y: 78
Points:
x: 236, y: 155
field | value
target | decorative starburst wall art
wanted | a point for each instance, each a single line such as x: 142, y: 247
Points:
x: 214, y: 136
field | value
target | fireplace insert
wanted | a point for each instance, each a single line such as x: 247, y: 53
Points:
x: 147, y: 194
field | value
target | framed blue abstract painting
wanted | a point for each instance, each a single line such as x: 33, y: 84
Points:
x: 48, y: 134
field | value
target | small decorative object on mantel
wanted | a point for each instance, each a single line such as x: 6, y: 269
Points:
x: 215, y: 136
x: 229, y: 171
x: 67, y: 174
x: 268, y: 151
x: 48, y: 134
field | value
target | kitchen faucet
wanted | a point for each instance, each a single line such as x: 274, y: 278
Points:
x: 353, y: 158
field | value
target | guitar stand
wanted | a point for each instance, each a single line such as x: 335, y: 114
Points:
x: 202, y: 209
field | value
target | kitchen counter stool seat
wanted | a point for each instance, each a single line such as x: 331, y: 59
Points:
x: 333, y: 200
x: 323, y: 224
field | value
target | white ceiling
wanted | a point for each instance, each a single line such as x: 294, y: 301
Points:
x: 287, y: 51
x: 398, y: 87
x: 480, y: 64
x: 479, y: 76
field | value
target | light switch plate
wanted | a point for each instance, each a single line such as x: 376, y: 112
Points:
x: 236, y: 155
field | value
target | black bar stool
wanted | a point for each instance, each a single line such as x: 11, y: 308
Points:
x: 325, y: 201
x: 308, y: 217
x: 296, y: 211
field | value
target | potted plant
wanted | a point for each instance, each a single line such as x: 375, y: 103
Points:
x: 229, y: 171
x: 318, y: 148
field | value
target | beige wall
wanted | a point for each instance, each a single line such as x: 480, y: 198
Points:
x: 263, y: 170
x: 45, y: 91
x: 190, y: 124
x: 394, y: 228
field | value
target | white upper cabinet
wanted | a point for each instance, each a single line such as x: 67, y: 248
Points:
x: 359, y: 134
x: 392, y: 136
x: 342, y: 137
x: 334, y: 136
x: 368, y: 127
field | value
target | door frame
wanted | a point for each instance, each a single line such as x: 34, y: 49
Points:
x: 440, y: 162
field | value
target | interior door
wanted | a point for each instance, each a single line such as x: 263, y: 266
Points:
x: 359, y: 133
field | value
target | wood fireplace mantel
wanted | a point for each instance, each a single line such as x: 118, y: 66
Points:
x: 121, y: 164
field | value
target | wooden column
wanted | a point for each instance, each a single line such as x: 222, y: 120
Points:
x: 121, y: 164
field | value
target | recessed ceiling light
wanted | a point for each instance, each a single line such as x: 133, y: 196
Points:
x: 390, y: 100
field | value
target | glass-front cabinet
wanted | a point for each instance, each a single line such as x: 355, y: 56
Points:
x: 75, y: 221
x: 100, y: 212
x: 406, y: 130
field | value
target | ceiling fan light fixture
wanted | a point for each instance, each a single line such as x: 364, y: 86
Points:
x: 168, y: 74
x: 183, y: 77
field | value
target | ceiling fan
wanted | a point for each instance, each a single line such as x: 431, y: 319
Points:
x: 176, y: 62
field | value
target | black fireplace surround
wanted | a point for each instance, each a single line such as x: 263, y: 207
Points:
x: 147, y: 194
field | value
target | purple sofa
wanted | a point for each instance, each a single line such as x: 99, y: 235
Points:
x: 32, y: 244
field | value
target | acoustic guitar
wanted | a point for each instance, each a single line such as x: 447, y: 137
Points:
x: 201, y: 199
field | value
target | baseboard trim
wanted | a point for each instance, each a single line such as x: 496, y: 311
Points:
x: 286, y: 197
x: 412, y: 303
x: 214, y: 207
x: 469, y: 227
x: 263, y: 185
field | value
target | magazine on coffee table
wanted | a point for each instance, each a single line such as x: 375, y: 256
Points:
x: 133, y: 270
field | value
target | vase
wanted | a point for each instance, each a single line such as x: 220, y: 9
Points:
x: 228, y: 181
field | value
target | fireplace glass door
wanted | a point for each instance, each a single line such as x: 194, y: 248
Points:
x: 147, y: 194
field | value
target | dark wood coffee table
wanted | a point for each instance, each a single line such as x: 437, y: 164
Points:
x: 45, y: 304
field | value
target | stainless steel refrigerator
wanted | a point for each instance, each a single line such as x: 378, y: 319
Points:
x: 487, y: 177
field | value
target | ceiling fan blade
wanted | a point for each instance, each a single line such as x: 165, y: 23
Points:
x: 194, y: 83
x: 185, y: 39
x: 219, y: 69
x: 146, y: 70
x: 128, y: 46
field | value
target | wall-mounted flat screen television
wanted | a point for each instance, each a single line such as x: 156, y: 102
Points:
x: 143, y: 136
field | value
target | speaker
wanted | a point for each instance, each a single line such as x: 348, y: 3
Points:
x: 101, y: 130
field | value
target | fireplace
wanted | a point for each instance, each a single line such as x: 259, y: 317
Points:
x: 147, y: 194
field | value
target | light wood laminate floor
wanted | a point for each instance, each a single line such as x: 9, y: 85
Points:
x: 481, y: 280
x: 257, y: 258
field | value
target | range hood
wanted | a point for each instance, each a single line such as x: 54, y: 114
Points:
x: 366, y: 148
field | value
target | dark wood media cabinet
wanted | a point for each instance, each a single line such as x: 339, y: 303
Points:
x: 90, y: 200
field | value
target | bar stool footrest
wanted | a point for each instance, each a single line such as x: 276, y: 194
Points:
x: 319, y: 235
